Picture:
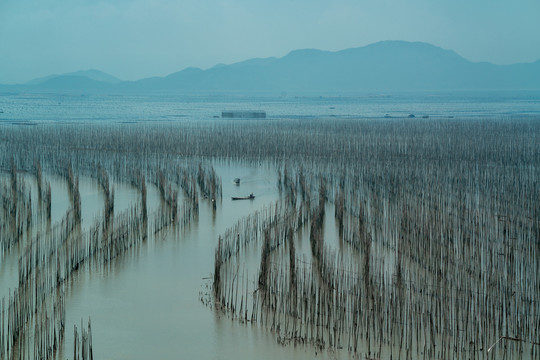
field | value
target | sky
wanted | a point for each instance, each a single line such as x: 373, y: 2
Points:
x: 134, y: 39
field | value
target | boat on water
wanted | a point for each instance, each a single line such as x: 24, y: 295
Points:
x: 250, y: 197
x: 237, y: 181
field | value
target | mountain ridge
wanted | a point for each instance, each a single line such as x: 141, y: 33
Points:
x: 382, y: 66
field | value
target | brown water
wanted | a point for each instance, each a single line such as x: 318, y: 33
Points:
x: 147, y: 304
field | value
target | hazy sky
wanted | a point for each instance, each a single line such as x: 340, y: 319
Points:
x: 133, y: 39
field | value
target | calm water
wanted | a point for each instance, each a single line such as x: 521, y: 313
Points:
x: 55, y: 107
x: 147, y: 305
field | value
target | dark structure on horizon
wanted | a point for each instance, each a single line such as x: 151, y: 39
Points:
x: 249, y: 114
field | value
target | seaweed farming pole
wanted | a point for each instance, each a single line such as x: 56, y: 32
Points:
x: 43, y: 193
x: 82, y: 346
x: 48, y: 202
x: 39, y: 180
x: 265, y: 253
x: 108, y: 192
x: 73, y: 187
x: 144, y: 205
x: 209, y: 184
x: 216, y: 286
x: 293, y: 286
x: 13, y: 182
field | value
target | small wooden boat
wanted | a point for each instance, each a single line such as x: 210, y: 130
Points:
x: 250, y: 197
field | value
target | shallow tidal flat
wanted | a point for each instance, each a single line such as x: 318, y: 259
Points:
x: 367, y: 238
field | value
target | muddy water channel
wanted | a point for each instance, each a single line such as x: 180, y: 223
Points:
x: 147, y: 304
x: 151, y: 302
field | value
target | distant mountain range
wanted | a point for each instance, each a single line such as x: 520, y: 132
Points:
x: 383, y: 66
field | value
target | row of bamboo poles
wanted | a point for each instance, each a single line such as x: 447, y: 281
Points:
x: 425, y: 274
x: 33, y: 317
x: 82, y: 347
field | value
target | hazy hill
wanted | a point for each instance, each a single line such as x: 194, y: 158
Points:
x: 386, y: 66
x: 72, y: 82
x: 90, y: 74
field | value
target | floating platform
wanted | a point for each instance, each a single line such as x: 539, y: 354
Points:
x: 240, y: 114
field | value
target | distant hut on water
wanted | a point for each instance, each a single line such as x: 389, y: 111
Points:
x: 244, y: 114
